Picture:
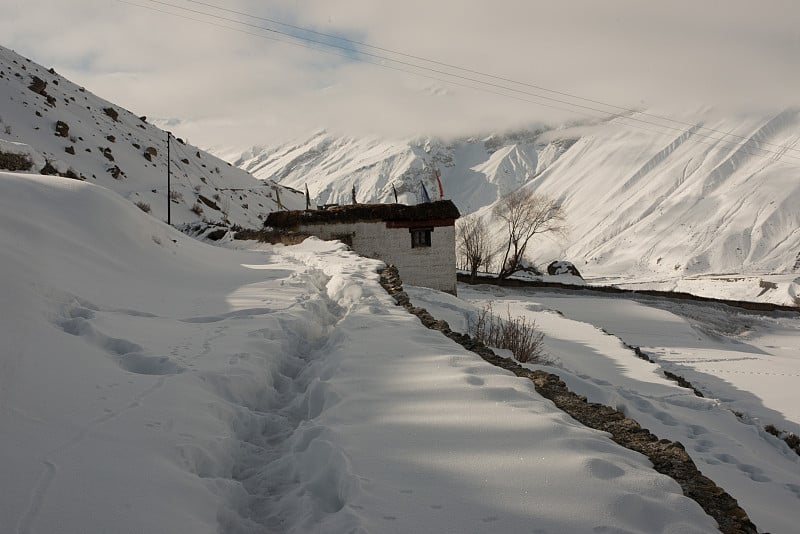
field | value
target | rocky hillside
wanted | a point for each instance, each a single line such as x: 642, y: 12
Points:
x: 49, y: 125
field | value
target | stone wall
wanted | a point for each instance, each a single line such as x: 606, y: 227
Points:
x: 668, y: 457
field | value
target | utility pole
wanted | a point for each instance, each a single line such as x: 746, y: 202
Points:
x: 169, y: 190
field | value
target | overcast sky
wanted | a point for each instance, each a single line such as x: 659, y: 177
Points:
x: 225, y: 87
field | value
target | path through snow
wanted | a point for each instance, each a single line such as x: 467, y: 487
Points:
x: 151, y: 383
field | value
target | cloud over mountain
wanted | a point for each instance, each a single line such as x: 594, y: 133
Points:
x: 232, y: 88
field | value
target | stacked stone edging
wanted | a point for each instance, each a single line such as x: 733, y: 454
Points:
x: 668, y: 457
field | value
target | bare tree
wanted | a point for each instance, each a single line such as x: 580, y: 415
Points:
x: 525, y: 214
x: 473, y: 244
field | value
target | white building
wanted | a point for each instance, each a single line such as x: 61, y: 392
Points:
x: 418, y: 240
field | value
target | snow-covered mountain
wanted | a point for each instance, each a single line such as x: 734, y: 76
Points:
x: 650, y: 203
x: 61, y: 128
x: 671, y: 206
x: 474, y: 172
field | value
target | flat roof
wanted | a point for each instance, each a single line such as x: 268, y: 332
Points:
x: 429, y: 211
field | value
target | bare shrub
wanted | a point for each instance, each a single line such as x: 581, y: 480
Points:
x: 197, y: 209
x: 516, y: 334
x: 11, y: 161
x: 525, y: 214
x: 473, y: 245
x: 49, y: 169
x: 175, y: 195
x: 145, y: 207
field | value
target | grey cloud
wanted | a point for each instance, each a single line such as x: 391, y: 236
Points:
x: 232, y: 88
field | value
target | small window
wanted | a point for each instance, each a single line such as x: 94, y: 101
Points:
x: 420, y: 237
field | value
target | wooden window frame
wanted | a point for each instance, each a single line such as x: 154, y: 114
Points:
x: 421, y: 237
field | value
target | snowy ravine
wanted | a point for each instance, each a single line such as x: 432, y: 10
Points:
x: 152, y: 383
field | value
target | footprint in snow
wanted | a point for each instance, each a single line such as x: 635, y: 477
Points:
x: 704, y: 445
x: 475, y: 380
x: 695, y: 430
x: 756, y: 474
x: 127, y: 354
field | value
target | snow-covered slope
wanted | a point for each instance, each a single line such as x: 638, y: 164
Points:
x: 644, y: 206
x: 152, y: 383
x: 474, y: 172
x: 88, y: 138
x: 691, y: 204
x: 671, y: 206
x: 745, y: 365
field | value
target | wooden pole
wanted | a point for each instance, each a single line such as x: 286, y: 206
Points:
x: 169, y: 190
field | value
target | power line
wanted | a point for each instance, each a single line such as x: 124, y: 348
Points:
x: 480, y: 73
x: 606, y: 115
x: 204, y: 173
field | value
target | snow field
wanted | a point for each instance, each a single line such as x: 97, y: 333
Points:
x: 754, y: 467
x: 153, y: 383
x: 86, y: 380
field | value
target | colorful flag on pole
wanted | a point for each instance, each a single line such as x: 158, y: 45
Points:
x: 425, y: 196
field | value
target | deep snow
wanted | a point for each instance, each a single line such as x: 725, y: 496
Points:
x: 152, y: 383
x: 742, y: 362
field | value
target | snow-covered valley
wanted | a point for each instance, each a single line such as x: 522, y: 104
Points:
x: 152, y: 382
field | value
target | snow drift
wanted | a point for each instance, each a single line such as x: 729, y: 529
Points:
x: 153, y: 383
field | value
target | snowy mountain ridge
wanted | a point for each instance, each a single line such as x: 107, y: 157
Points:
x: 474, y: 171
x: 64, y: 129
